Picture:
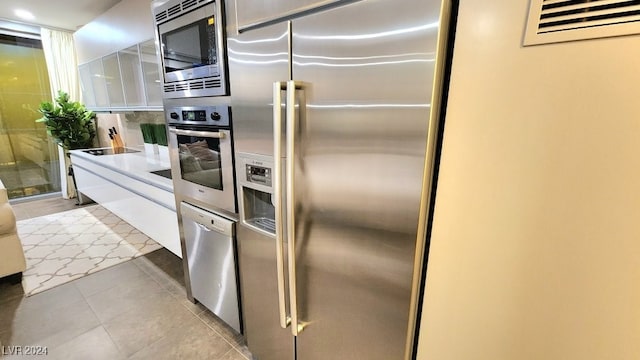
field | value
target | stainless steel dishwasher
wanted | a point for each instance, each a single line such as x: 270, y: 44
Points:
x: 211, y: 255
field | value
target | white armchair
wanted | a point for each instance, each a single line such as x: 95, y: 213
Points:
x: 12, y: 260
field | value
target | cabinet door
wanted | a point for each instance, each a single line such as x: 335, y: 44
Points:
x: 151, y: 73
x: 99, y: 84
x: 113, y: 80
x: 132, y: 76
x: 86, y: 86
x: 251, y: 13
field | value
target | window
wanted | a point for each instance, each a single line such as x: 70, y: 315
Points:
x: 28, y: 158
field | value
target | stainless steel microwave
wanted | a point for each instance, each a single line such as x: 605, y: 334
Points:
x: 191, y: 44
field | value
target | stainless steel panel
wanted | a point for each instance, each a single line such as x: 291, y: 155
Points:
x: 212, y: 265
x: 256, y: 60
x: 358, y: 173
x: 258, y: 267
x: 258, y: 280
x: 251, y: 13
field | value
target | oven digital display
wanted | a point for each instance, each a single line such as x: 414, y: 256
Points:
x: 194, y: 115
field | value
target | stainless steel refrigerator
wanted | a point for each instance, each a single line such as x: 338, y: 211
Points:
x: 336, y: 106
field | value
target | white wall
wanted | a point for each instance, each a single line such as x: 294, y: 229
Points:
x: 535, y: 251
x: 127, y: 23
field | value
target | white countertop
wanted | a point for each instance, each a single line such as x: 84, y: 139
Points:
x: 137, y: 165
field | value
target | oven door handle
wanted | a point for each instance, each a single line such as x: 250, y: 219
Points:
x: 206, y: 134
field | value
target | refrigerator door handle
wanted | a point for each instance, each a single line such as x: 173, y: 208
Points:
x: 278, y: 87
x: 292, y: 128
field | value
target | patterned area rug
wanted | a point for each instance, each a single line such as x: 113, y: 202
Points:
x: 72, y: 244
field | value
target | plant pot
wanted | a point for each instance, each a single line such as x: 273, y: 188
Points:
x: 164, y: 152
x: 151, y: 149
x: 67, y: 188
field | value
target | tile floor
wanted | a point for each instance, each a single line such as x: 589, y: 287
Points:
x: 134, y: 310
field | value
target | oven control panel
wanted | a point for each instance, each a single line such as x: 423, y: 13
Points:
x: 199, y: 115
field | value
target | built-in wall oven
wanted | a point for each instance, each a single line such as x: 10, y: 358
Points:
x: 201, y: 154
x: 202, y: 168
x: 191, y: 44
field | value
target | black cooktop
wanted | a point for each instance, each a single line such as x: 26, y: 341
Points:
x: 98, y: 152
x: 164, y: 173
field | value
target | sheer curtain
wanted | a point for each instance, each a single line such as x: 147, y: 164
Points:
x: 62, y: 66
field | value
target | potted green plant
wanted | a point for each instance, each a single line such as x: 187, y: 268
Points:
x: 71, y: 125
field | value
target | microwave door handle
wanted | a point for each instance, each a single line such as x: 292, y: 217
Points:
x: 278, y: 87
x: 205, y: 134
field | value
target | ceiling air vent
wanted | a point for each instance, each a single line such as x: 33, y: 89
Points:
x: 552, y: 21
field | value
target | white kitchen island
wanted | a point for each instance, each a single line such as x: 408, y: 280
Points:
x: 124, y: 184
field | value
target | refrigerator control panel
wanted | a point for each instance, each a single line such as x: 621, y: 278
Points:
x: 258, y: 174
x: 255, y: 171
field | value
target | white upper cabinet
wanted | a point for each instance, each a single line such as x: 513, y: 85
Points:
x: 116, y: 71
x: 98, y: 82
x: 113, y: 80
x: 151, y: 73
x: 128, y: 79
x: 88, y: 98
x: 127, y: 23
x: 132, y: 76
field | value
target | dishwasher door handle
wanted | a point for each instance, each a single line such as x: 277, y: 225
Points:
x: 202, y: 227
x: 207, y: 228
x: 206, y: 220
